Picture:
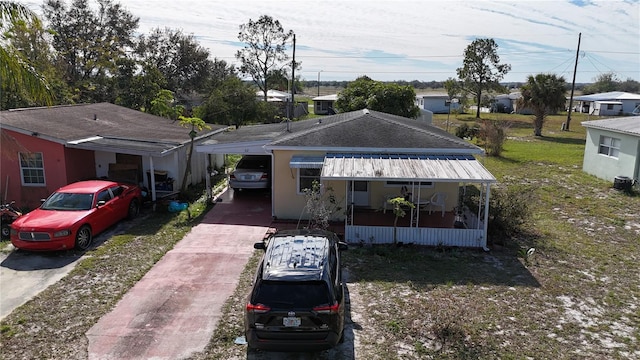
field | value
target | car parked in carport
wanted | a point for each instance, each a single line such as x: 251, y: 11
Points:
x: 297, y: 302
x: 252, y: 172
x: 73, y: 214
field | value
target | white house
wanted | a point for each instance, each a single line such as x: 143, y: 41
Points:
x: 613, y: 148
x: 323, y: 105
x: 607, y: 103
x: 436, y: 103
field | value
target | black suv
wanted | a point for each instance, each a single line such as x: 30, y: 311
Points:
x: 297, y: 302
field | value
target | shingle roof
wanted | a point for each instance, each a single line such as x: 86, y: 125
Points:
x: 115, y: 125
x: 629, y: 125
x: 363, y: 129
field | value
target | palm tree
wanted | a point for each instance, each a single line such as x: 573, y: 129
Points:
x: 543, y: 94
x: 15, y: 70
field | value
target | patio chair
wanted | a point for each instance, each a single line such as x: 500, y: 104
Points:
x: 438, y: 200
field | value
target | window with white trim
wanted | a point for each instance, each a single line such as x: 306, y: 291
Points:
x: 609, y: 146
x: 32, y: 168
x: 306, y: 177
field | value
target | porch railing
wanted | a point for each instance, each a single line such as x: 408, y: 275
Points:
x: 419, y: 236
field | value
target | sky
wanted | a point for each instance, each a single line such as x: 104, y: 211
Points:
x: 420, y: 40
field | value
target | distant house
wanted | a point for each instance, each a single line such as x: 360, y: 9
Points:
x: 366, y: 158
x: 274, y: 95
x: 323, y: 105
x: 436, y: 103
x: 613, y: 148
x: 45, y: 148
x: 606, y: 104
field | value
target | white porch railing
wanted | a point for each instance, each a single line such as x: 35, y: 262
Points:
x: 419, y: 236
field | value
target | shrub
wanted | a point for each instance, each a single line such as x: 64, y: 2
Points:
x: 465, y: 131
x: 508, y: 212
x: 493, y: 134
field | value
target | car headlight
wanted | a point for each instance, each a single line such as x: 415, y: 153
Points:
x: 62, y: 233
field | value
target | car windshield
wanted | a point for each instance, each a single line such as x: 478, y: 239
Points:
x: 68, y: 201
x: 305, y: 294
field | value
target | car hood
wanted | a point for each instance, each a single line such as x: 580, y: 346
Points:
x: 49, y: 219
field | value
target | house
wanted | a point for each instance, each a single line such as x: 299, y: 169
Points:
x: 323, y: 105
x: 367, y: 158
x: 613, y: 148
x: 436, y: 103
x: 609, y: 103
x: 45, y: 148
x: 274, y: 96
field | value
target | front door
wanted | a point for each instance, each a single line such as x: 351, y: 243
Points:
x: 359, y: 193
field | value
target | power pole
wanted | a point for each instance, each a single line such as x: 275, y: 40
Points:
x: 573, y: 85
x: 293, y: 79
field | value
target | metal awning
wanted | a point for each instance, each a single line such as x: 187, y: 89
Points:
x: 306, y: 162
x: 385, y: 167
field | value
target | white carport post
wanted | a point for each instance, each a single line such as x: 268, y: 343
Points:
x: 207, y: 177
x: 486, y: 217
x: 152, y: 174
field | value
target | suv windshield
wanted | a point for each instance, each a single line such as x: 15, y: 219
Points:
x: 306, y: 294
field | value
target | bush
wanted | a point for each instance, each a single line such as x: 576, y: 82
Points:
x: 508, y: 212
x: 465, y: 131
x: 493, y: 134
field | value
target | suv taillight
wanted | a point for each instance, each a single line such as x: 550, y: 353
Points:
x: 264, y: 176
x: 257, y: 308
x: 232, y: 176
x: 327, y: 309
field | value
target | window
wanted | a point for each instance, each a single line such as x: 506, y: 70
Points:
x: 306, y: 177
x: 32, y: 168
x: 609, y: 106
x: 422, y: 184
x: 609, y: 146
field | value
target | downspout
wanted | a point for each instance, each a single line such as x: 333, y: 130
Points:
x: 486, y: 217
x: 152, y: 175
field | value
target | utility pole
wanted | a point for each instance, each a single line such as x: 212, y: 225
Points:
x: 293, y: 79
x: 573, y: 85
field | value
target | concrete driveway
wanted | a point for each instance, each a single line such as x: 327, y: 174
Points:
x: 173, y: 310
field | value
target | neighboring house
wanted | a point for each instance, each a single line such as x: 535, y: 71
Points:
x: 45, y: 148
x: 613, y: 148
x: 323, y: 105
x: 436, y: 103
x: 607, y: 103
x: 283, y: 101
x: 274, y: 95
x: 368, y: 157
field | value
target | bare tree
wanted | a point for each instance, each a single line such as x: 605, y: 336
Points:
x: 264, y: 51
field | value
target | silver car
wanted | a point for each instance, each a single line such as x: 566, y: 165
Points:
x: 252, y: 172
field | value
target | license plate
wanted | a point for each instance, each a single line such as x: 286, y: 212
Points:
x: 291, y: 321
x: 247, y: 177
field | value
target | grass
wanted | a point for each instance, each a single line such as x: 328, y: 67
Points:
x: 575, y: 297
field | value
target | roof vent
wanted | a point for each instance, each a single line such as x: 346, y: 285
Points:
x: 365, y: 111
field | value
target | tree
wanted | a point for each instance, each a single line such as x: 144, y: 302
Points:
x: 399, y: 205
x: 164, y: 105
x: 602, y: 83
x: 138, y: 87
x: 481, y: 69
x: 374, y: 95
x: 17, y: 74
x: 231, y: 103
x: 264, y: 51
x: 179, y: 58
x: 543, y: 94
x: 89, y: 44
x: 196, y: 124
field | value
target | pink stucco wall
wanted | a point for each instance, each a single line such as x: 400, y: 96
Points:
x: 61, y: 167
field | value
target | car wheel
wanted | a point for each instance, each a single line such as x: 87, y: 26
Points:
x: 83, y: 238
x: 6, y: 231
x: 134, y: 209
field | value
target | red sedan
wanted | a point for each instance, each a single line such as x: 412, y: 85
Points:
x: 74, y: 213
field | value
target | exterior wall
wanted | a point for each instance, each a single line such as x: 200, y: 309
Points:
x: 288, y: 204
x: 57, y: 161
x: 473, y: 238
x: 606, y: 167
x: 321, y: 107
x: 602, y: 109
x: 102, y: 161
x: 435, y: 104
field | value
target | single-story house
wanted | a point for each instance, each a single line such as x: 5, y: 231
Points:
x: 274, y: 96
x: 606, y: 103
x: 508, y: 103
x: 367, y: 158
x: 613, y: 148
x: 323, y: 105
x: 45, y: 148
x: 436, y: 103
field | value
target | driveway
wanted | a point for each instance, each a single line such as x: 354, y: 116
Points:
x: 173, y: 310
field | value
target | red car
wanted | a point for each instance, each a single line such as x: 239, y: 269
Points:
x: 74, y: 213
